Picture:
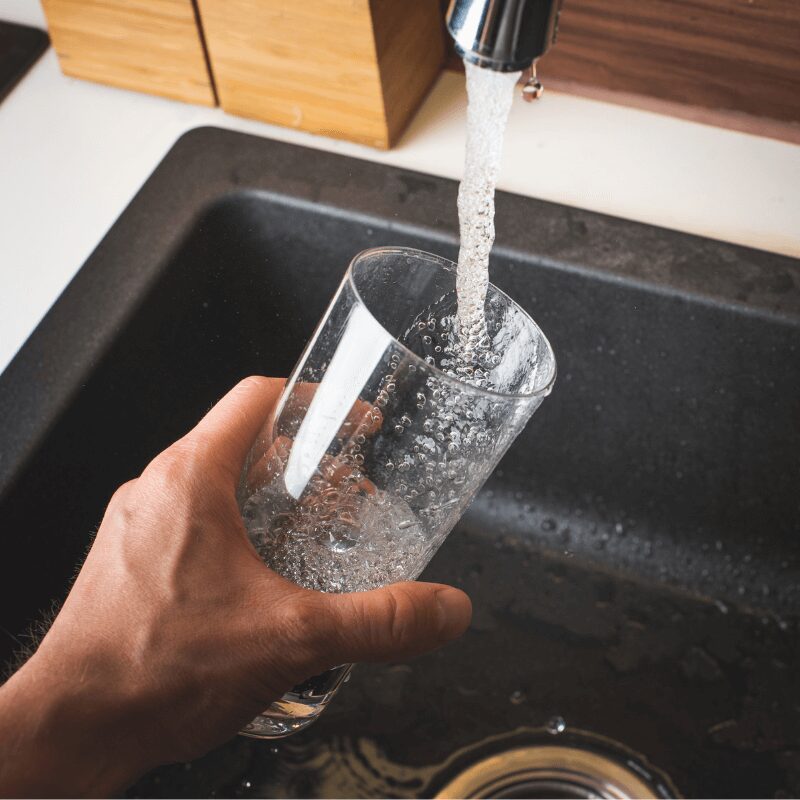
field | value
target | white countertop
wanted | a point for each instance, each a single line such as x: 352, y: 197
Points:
x: 72, y: 155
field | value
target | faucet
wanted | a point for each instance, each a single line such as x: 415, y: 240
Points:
x: 504, y: 35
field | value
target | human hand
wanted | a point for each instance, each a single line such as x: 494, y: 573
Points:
x: 175, y: 634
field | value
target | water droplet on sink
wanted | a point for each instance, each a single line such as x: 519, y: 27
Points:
x: 721, y: 607
x: 548, y: 524
x: 556, y: 725
x: 517, y: 697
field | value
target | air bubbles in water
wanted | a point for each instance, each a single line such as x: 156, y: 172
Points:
x: 320, y: 545
x: 490, y: 96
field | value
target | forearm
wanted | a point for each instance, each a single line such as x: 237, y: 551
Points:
x: 59, y: 738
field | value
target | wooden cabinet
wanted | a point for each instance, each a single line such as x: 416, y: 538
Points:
x: 731, y: 55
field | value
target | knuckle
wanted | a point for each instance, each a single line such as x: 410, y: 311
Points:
x: 165, y: 464
x: 403, y: 614
x: 301, y: 619
x: 192, y: 453
x: 188, y: 457
x: 122, y: 505
x: 303, y: 634
x: 122, y: 495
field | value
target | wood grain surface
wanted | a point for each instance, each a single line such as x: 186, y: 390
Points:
x: 350, y: 69
x: 410, y: 45
x: 149, y: 46
x: 740, y: 56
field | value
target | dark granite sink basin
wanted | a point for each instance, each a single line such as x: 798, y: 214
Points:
x: 634, y: 562
x: 20, y: 47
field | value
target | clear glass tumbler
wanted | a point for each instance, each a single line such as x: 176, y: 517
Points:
x: 376, y: 447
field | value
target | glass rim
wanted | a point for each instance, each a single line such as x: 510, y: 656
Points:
x: 450, y: 266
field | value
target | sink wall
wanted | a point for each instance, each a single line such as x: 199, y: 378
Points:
x: 641, y: 532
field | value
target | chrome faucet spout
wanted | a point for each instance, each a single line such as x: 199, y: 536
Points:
x: 503, y: 35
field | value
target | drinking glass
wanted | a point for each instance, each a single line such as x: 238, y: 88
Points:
x: 382, y: 436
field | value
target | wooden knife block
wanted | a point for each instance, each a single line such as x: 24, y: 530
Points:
x: 350, y: 69
x: 152, y: 46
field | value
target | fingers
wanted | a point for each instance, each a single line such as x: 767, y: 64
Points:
x: 270, y: 458
x: 263, y: 469
x: 363, y: 417
x: 396, y: 622
x: 228, y: 431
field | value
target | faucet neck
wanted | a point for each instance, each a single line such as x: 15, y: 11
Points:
x: 503, y: 35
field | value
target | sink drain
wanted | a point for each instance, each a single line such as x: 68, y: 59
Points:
x: 555, y: 771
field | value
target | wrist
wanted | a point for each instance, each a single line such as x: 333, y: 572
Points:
x: 62, y: 735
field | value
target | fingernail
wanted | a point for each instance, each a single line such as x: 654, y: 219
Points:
x: 452, y: 619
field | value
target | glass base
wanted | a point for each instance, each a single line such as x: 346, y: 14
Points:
x: 298, y: 708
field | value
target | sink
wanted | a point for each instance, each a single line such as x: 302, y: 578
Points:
x: 20, y: 47
x: 634, y: 562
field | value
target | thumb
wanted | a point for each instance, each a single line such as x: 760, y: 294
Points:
x: 396, y: 622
